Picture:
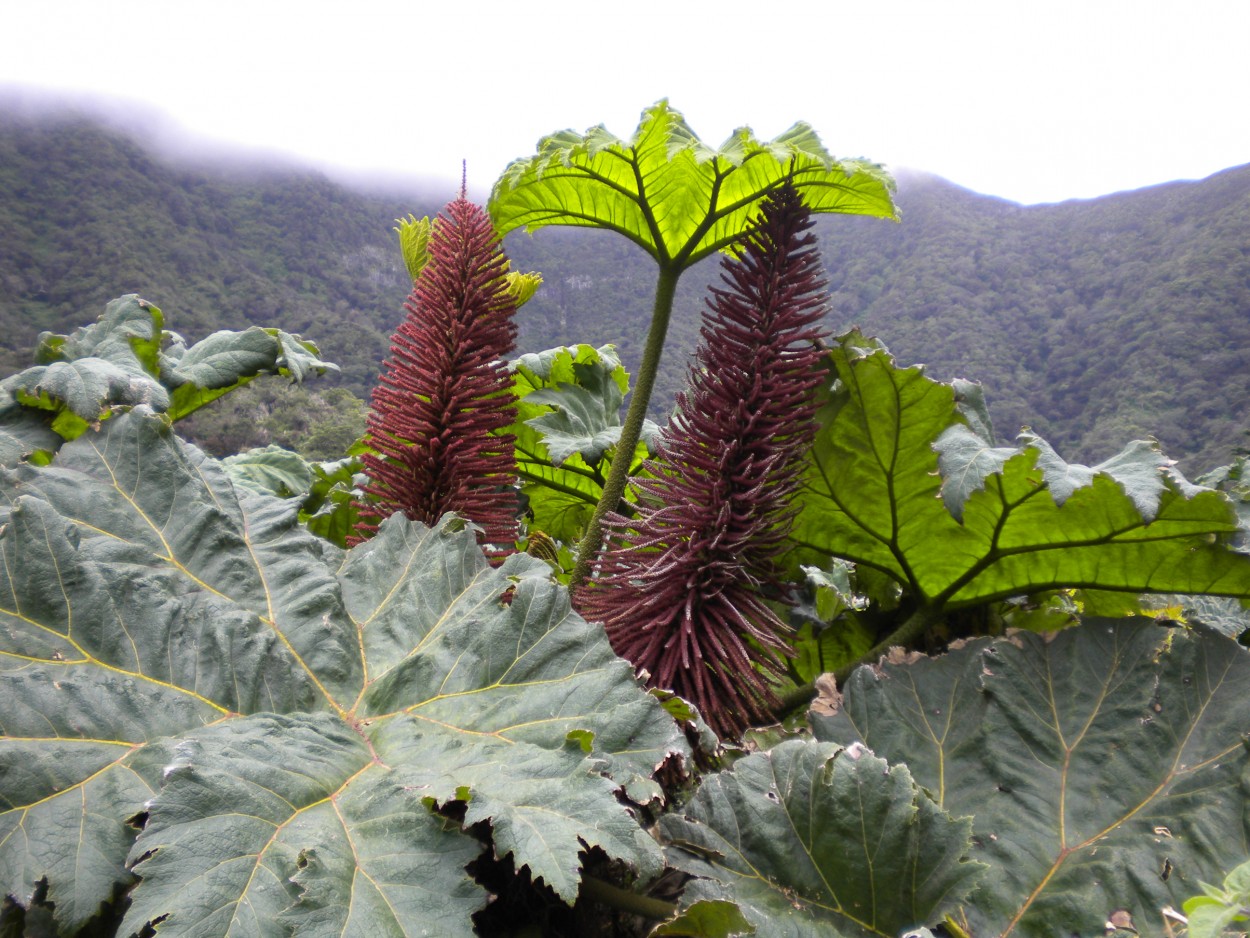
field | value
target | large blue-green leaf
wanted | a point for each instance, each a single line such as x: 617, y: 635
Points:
x: 279, y: 716
x: 87, y: 387
x: 672, y: 194
x: 130, y: 330
x: 307, y: 835
x: 227, y: 360
x: 812, y: 839
x: 126, y: 358
x: 1105, y: 767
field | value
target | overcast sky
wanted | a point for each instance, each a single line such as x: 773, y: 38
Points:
x: 1031, y: 101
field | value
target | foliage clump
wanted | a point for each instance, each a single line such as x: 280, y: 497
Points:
x: 125, y: 358
x: 680, y: 200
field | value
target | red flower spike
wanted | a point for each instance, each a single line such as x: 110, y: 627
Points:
x: 444, y: 393
x: 682, y: 587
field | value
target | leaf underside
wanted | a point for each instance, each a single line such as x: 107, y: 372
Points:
x: 898, y: 484
x: 670, y: 193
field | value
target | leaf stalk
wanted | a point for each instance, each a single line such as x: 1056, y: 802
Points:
x: 617, y: 898
x: 644, y: 383
x: 904, y: 636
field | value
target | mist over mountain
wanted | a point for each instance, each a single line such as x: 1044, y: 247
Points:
x: 1093, y: 322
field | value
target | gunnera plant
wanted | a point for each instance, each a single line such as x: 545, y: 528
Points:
x: 684, y: 586
x: 444, y: 395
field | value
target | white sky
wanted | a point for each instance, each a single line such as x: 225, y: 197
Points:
x: 1032, y: 101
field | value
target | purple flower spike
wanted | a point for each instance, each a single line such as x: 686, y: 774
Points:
x: 684, y: 588
x: 444, y: 392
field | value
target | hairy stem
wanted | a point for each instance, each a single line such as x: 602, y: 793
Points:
x: 644, y: 383
x: 617, y: 898
x: 905, y: 635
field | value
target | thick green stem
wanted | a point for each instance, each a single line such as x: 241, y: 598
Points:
x: 904, y: 636
x: 644, y: 383
x: 617, y: 898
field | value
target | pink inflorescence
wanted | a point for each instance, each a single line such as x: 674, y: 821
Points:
x: 444, y: 392
x: 683, y: 588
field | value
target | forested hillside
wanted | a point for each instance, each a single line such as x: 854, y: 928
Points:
x: 1099, y: 320
x: 87, y: 214
x: 1093, y: 322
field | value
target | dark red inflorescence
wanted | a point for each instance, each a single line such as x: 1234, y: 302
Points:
x: 683, y: 587
x: 444, y: 392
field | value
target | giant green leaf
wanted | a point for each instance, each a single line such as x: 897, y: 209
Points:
x: 86, y: 387
x: 258, y: 723
x: 1105, y: 767
x: 290, y: 802
x: 812, y: 839
x: 898, y: 483
x: 130, y: 330
x: 672, y: 194
x: 113, y: 361
x: 679, y: 200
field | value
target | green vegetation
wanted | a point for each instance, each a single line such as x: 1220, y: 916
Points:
x: 87, y: 214
x: 1221, y: 911
x: 128, y: 358
x: 1093, y: 322
x: 318, y: 423
x: 904, y: 481
x: 679, y: 200
x: 219, y: 721
x: 1096, y: 765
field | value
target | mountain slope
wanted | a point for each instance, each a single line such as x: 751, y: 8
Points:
x: 1094, y: 322
x: 87, y: 214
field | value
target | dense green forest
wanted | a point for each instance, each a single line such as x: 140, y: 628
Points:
x: 86, y: 213
x: 1094, y: 322
x: 1099, y: 320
